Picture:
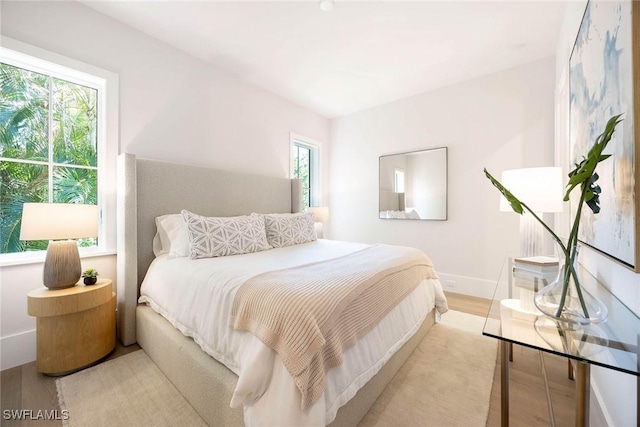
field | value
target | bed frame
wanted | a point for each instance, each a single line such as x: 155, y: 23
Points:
x: 147, y: 189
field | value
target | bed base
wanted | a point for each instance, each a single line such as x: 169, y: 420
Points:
x: 208, y: 385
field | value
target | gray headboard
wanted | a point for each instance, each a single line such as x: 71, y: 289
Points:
x: 150, y: 188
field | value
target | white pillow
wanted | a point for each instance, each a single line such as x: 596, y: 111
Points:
x: 221, y: 236
x: 157, y: 246
x: 412, y: 214
x: 172, y: 237
x: 290, y: 229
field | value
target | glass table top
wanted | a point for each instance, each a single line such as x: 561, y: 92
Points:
x: 614, y: 343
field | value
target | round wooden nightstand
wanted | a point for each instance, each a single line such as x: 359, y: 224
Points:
x: 75, y: 327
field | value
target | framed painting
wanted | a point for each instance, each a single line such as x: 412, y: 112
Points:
x: 604, y: 74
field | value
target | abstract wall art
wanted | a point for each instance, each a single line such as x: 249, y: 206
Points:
x: 603, y: 79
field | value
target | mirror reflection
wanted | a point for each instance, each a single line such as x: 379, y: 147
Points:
x: 414, y: 185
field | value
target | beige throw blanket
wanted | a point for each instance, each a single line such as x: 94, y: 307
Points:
x: 309, y: 314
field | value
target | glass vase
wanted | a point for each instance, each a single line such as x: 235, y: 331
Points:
x: 565, y: 300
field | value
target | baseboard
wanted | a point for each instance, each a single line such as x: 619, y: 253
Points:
x: 18, y: 349
x: 597, y: 414
x: 468, y: 285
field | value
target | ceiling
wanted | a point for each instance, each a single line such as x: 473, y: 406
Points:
x: 361, y: 54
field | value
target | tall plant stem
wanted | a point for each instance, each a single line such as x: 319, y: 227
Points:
x: 572, y: 247
x: 569, y: 253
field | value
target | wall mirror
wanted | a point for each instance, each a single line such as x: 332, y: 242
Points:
x: 414, y: 185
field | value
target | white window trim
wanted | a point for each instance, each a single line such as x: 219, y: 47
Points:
x: 314, y: 146
x: 17, y: 53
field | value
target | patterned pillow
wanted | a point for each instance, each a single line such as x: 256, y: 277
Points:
x: 221, y: 236
x: 290, y: 229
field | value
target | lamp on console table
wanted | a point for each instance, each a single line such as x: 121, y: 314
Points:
x: 320, y: 215
x: 542, y: 189
x: 54, y: 222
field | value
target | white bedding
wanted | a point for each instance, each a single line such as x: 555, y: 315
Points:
x: 196, y: 296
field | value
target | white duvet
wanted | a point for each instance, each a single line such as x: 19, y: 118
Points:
x: 196, y: 296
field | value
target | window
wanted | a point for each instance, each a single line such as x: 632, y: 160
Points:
x: 304, y: 166
x: 53, y: 133
x: 398, y: 180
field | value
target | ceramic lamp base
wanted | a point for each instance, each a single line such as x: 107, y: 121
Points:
x: 62, y: 267
x: 531, y: 236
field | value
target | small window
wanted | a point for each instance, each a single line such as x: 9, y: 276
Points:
x: 399, y: 181
x: 304, y: 166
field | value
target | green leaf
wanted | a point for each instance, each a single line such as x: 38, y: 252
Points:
x: 585, y: 170
x: 516, y: 205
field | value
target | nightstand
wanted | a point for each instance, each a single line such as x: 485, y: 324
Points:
x: 75, y: 327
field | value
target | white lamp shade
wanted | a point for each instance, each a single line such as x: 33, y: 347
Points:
x: 54, y: 221
x: 539, y: 188
x: 320, y: 214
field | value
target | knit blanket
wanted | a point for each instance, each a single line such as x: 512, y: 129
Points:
x: 310, y: 314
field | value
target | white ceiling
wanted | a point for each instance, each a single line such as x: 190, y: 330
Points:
x: 362, y: 54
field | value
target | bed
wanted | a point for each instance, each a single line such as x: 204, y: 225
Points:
x: 149, y: 189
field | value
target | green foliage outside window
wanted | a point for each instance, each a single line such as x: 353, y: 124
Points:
x: 302, y: 171
x: 48, y: 148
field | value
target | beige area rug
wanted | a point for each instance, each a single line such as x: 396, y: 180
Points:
x: 446, y: 382
x: 127, y: 391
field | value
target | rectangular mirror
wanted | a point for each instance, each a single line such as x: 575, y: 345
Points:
x: 414, y: 185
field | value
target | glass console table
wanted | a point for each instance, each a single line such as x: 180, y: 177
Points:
x: 613, y: 344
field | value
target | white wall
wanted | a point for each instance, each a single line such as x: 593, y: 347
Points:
x: 501, y: 121
x: 172, y: 107
x: 424, y: 174
x: 616, y: 392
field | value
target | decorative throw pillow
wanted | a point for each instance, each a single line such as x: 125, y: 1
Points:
x: 221, y: 236
x: 290, y: 229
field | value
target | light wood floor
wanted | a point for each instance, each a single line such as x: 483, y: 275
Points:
x: 23, y: 387
x: 528, y: 401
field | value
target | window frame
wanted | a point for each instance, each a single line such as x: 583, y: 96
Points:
x: 314, y: 165
x: 22, y: 55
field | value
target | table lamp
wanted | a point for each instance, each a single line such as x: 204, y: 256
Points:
x: 541, y: 190
x: 56, y: 221
x: 320, y: 215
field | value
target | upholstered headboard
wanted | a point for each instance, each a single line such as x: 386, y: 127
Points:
x: 150, y: 188
x: 391, y: 201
